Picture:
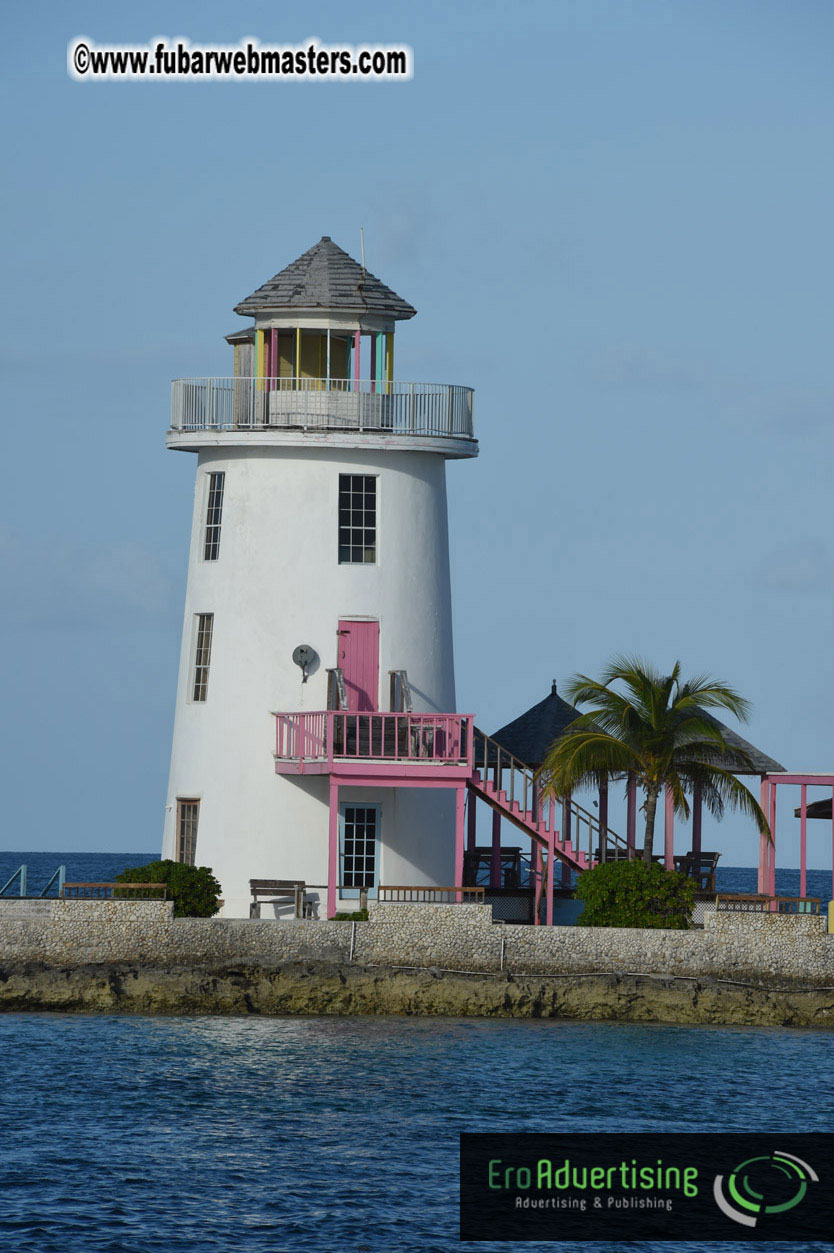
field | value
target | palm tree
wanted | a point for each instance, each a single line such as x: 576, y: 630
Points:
x: 657, y: 730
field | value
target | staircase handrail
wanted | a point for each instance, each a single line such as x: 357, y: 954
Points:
x: 611, y: 836
x: 61, y: 875
x: 502, y: 756
x: 21, y: 871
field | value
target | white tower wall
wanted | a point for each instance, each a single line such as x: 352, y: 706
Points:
x: 278, y: 583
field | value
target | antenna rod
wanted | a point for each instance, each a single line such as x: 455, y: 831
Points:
x: 362, y: 239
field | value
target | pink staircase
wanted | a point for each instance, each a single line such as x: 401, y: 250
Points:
x: 512, y: 790
x: 525, y: 819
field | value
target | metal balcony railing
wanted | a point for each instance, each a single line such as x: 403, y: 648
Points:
x: 360, y: 405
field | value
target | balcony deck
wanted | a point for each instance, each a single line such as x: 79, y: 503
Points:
x: 330, y: 409
x: 404, y: 747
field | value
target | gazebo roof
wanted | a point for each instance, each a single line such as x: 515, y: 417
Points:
x: 760, y: 763
x: 529, y: 736
x: 326, y: 277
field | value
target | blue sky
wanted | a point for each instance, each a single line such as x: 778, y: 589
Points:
x: 615, y: 222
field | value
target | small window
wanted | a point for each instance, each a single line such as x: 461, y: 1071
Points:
x: 188, y: 813
x: 357, y: 519
x: 202, y: 656
x: 214, y: 514
x: 360, y: 829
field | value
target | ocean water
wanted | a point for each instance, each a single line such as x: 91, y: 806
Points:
x: 155, y: 1135
x: 102, y: 867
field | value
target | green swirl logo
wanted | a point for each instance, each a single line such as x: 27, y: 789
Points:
x: 763, y: 1185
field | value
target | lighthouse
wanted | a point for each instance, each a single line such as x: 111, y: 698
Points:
x: 316, y: 735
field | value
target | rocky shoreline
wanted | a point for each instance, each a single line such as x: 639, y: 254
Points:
x: 343, y: 989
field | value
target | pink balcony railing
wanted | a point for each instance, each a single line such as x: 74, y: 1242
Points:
x: 337, y: 734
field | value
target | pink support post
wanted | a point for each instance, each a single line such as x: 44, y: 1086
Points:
x: 460, y: 808
x: 495, y: 860
x: 803, y: 832
x: 761, y: 883
x: 357, y: 336
x: 535, y: 880
x: 669, y: 832
x: 471, y: 824
x: 771, y: 874
x: 631, y: 819
x: 333, y: 857
x: 551, y: 866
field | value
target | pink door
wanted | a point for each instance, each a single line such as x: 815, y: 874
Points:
x: 359, y: 660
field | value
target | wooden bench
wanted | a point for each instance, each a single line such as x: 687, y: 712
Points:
x: 276, y: 892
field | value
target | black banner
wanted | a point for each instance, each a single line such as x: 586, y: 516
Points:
x: 691, y: 1186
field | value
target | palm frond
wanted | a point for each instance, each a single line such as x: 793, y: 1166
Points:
x: 584, y: 758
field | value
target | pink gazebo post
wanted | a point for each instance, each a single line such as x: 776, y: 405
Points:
x: 631, y: 818
x: 669, y: 832
x: 771, y: 860
x: 767, y: 855
x: 803, y: 841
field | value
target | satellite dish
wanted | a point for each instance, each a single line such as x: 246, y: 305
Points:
x: 304, y: 656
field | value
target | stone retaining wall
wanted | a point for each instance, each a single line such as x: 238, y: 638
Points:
x: 769, y: 949
x: 83, y: 931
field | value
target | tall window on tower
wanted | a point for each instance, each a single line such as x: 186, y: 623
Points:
x: 214, y: 514
x: 188, y: 813
x: 202, y: 656
x: 357, y: 519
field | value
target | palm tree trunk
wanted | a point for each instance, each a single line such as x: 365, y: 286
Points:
x: 651, y: 809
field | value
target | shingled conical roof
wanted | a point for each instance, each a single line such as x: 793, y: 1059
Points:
x: 760, y: 763
x: 529, y: 737
x: 326, y: 278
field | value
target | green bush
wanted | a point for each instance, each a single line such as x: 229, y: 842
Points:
x: 193, y: 889
x: 634, y: 894
x: 358, y: 915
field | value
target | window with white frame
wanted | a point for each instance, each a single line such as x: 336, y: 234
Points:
x: 360, y: 836
x: 202, y: 656
x: 357, y: 519
x: 188, y: 814
x: 214, y: 514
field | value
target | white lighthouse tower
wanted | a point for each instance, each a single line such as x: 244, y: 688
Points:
x: 315, y: 737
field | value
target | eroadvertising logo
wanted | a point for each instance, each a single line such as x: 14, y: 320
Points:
x: 785, y: 1180
x: 688, y: 1186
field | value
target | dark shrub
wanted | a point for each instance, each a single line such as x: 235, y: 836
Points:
x: 634, y: 894
x: 193, y: 889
